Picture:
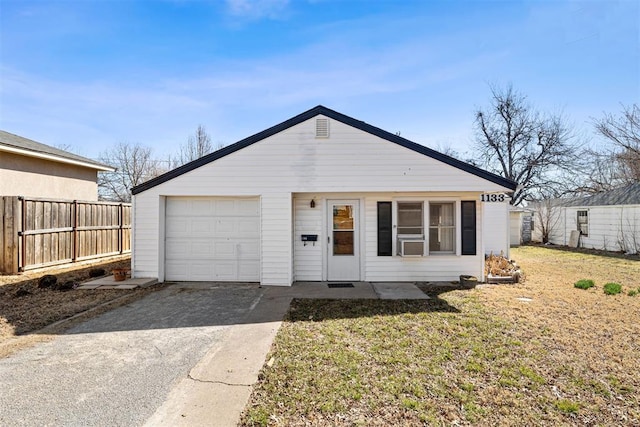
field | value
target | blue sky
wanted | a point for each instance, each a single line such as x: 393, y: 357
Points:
x: 90, y: 74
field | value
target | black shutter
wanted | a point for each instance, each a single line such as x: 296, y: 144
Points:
x: 468, y: 227
x: 384, y: 229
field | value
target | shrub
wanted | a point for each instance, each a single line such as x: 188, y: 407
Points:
x: 584, y: 284
x: 612, y: 288
x: 633, y: 293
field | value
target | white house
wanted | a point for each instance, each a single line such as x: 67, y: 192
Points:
x: 319, y: 197
x: 607, y: 221
x: 520, y: 225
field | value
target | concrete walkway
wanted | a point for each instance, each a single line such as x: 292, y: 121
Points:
x: 108, y: 282
x: 187, y: 355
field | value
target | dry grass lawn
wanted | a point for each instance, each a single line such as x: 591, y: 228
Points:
x: 561, y: 356
x: 26, y: 308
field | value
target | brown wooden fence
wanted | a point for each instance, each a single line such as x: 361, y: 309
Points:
x: 40, y: 232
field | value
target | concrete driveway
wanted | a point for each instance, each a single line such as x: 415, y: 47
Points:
x: 172, y: 358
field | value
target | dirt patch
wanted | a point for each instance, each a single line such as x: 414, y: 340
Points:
x: 26, y: 307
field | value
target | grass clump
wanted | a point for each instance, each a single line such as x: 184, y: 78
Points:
x: 584, y: 284
x: 612, y: 288
x: 567, y: 406
x: 634, y: 292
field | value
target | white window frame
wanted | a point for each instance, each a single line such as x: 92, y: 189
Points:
x: 412, y: 237
x: 437, y: 228
x: 579, y: 224
x: 426, y: 201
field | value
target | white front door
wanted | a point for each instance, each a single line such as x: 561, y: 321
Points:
x: 344, y: 240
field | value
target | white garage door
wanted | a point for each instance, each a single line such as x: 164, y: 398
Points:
x: 212, y: 239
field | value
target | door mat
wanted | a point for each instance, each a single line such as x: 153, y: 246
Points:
x: 340, y: 285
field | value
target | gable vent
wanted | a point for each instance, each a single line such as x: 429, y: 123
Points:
x: 322, y: 128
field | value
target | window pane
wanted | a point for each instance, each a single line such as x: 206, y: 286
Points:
x: 343, y: 242
x: 343, y: 217
x: 409, y: 230
x: 441, y: 214
x: 410, y: 218
x: 442, y: 230
x: 442, y: 239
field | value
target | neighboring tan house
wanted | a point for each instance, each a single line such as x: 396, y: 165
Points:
x: 609, y: 220
x: 319, y: 197
x: 31, y: 169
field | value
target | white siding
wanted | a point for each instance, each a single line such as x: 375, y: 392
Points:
x: 496, y: 225
x: 614, y: 228
x: 308, y: 258
x: 294, y: 161
x: 515, y: 228
x: 276, y: 254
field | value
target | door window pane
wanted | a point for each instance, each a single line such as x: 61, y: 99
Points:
x: 343, y: 243
x: 343, y: 226
x: 343, y: 217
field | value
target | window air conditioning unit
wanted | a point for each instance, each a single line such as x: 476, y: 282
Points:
x: 410, y: 247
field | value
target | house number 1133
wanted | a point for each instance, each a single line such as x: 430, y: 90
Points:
x: 493, y: 198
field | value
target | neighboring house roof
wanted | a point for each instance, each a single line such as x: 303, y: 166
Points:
x: 627, y: 195
x: 321, y: 110
x: 27, y: 147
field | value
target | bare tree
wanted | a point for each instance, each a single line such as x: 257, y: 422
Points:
x: 517, y: 142
x: 623, y: 131
x: 134, y: 165
x: 546, y: 218
x: 197, y: 145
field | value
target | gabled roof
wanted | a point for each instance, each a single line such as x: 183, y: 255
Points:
x: 321, y: 110
x: 27, y: 147
x: 627, y: 195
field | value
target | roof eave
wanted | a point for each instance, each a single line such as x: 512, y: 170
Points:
x: 54, y: 158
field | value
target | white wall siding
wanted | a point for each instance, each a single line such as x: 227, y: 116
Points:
x: 307, y: 259
x: 145, y: 236
x: 276, y: 255
x: 496, y: 225
x: 515, y: 228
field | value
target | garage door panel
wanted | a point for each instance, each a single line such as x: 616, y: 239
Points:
x: 202, y: 208
x: 177, y: 227
x: 248, y: 227
x: 225, y: 249
x: 225, y: 208
x: 202, y: 226
x: 201, y: 249
x: 177, y: 249
x: 226, y: 270
x: 249, y: 207
x: 248, y: 270
x: 212, y: 239
x: 177, y: 207
x: 225, y: 227
x: 249, y: 250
